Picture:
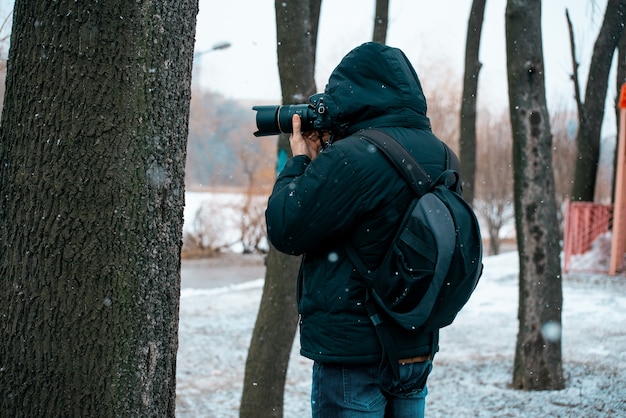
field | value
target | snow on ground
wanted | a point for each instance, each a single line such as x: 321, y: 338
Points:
x: 472, y: 372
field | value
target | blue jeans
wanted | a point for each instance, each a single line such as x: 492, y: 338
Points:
x: 340, y: 391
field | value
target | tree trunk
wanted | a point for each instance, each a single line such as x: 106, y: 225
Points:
x: 274, y: 331
x: 275, y: 328
x: 467, y: 140
x: 590, y: 123
x: 92, y: 146
x: 538, y: 364
x: 381, y: 21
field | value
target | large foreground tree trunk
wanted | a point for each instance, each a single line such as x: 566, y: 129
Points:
x: 590, y: 121
x: 275, y: 328
x: 93, y: 139
x: 538, y: 363
x: 467, y: 140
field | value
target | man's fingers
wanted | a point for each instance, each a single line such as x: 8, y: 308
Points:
x: 296, y: 123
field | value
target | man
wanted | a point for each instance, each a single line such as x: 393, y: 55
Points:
x: 338, y: 190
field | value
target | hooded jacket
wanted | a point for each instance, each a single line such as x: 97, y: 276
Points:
x: 351, y: 194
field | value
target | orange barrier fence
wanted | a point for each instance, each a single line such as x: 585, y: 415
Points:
x: 584, y: 222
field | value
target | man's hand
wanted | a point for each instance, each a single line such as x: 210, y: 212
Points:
x: 308, y: 144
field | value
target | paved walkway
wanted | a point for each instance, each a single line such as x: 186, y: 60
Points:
x: 221, y: 270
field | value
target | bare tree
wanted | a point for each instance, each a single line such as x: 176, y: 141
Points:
x: 275, y: 328
x: 494, y: 178
x: 591, y: 112
x: 467, y: 140
x: 564, y: 125
x: 216, y: 136
x: 443, y: 92
x: 538, y: 363
x: 252, y: 223
x: 93, y: 137
x: 203, y: 122
x: 381, y: 21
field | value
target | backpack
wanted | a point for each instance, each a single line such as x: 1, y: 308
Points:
x: 435, y: 260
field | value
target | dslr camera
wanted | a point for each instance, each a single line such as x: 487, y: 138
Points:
x: 274, y: 120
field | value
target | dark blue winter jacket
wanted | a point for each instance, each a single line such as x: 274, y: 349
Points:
x: 350, y: 193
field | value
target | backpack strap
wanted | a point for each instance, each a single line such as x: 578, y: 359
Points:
x: 407, y: 166
x: 420, y: 181
x: 452, y: 165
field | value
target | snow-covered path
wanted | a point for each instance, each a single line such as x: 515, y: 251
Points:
x: 471, y: 374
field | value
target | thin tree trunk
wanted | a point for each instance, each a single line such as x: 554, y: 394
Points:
x: 272, y: 339
x: 93, y: 138
x: 275, y: 328
x: 575, y: 66
x: 538, y: 363
x: 590, y: 123
x: 381, y: 21
x: 468, y: 104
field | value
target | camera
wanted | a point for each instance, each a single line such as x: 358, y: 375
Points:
x: 274, y: 120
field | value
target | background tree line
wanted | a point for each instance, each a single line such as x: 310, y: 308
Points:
x: 221, y: 152
x: 222, y: 155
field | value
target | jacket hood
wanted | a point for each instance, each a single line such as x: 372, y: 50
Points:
x: 375, y: 85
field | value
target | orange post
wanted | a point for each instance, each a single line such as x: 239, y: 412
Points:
x: 619, y: 224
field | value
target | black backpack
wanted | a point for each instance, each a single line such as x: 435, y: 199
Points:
x: 435, y: 260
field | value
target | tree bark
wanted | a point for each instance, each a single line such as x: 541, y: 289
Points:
x: 590, y: 123
x: 575, y: 65
x: 92, y: 146
x: 275, y: 328
x: 381, y: 21
x: 272, y: 339
x: 538, y: 363
x: 467, y: 140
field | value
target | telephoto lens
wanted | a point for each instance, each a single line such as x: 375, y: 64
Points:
x: 276, y: 120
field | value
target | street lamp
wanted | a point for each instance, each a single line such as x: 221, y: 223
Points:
x: 197, y: 59
x: 218, y: 46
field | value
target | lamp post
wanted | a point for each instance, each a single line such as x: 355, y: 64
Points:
x: 196, y: 72
x: 216, y: 47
